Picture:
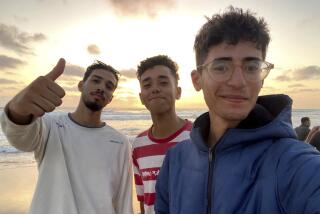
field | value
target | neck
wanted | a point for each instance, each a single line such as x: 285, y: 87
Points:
x: 166, y: 124
x: 218, y: 127
x: 86, y: 117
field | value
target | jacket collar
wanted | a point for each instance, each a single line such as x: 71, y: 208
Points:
x: 268, y: 109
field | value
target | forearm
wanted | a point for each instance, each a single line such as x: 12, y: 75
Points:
x: 15, y: 117
x: 23, y: 137
x: 141, y: 207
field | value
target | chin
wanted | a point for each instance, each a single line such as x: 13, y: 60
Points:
x: 94, y: 106
x: 158, y: 109
x: 236, y: 115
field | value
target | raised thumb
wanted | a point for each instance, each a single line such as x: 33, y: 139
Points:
x: 57, y: 70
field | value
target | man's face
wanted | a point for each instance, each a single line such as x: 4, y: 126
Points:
x: 233, y: 99
x: 159, y: 90
x: 97, y: 90
x: 308, y: 123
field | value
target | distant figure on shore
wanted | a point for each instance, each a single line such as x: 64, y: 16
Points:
x: 314, y: 137
x: 84, y: 164
x: 303, y: 130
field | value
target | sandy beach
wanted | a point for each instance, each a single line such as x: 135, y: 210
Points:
x: 17, y: 186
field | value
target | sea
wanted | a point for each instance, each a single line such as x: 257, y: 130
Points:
x: 130, y: 123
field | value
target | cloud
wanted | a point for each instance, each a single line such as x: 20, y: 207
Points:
x: 309, y: 72
x: 283, y: 78
x: 71, y: 88
x: 296, y: 85
x: 141, y: 7
x: 10, y: 62
x: 304, y: 73
x: 129, y: 73
x: 306, y: 90
x: 14, y: 39
x: 73, y: 70
x: 6, y: 81
x: 93, y: 49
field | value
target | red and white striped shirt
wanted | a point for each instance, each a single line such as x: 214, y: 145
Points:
x: 148, y: 154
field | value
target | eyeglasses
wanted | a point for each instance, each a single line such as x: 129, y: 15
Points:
x: 252, y: 70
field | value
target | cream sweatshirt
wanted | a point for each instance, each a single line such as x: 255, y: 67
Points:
x: 81, y: 170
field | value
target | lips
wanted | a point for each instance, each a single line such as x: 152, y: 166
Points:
x: 98, y: 95
x: 234, y: 98
x: 154, y: 98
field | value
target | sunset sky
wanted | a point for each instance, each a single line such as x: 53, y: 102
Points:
x: 34, y: 34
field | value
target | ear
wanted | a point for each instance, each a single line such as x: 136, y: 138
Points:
x: 80, y: 86
x: 141, y: 100
x: 196, y: 80
x: 178, y: 93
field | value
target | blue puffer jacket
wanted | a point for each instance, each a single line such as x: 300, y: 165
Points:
x: 258, y: 167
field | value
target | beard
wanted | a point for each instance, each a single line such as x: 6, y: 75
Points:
x: 93, y: 106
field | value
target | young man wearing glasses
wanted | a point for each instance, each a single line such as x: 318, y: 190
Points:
x: 84, y: 164
x: 243, y: 156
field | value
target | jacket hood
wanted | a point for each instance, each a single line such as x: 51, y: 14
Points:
x: 269, y: 119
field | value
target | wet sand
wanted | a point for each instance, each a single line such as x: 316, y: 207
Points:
x: 17, y: 185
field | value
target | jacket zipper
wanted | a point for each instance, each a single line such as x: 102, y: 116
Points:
x: 209, y: 190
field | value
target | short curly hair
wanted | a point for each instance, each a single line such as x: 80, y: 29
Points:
x: 100, y: 65
x: 232, y: 26
x: 158, y: 60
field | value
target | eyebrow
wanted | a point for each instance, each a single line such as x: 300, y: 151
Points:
x: 101, y: 78
x: 230, y: 58
x: 147, y: 79
x: 97, y: 76
x: 163, y: 77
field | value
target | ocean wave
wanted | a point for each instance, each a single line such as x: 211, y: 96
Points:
x: 8, y: 149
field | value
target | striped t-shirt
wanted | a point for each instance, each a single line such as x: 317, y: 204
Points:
x: 148, y: 154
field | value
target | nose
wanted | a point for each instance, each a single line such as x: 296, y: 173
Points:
x: 101, y: 88
x: 237, y: 78
x: 155, y: 89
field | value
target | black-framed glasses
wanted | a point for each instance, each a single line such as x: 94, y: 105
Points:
x: 253, y: 70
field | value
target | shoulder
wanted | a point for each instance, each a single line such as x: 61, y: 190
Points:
x: 115, y: 134
x: 181, y: 149
x: 141, y: 139
x: 188, y: 125
x: 143, y: 134
x: 295, y: 154
x: 55, y: 116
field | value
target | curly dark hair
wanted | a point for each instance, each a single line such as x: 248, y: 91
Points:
x: 232, y: 26
x: 158, y: 60
x: 100, y: 65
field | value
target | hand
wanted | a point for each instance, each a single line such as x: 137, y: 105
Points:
x: 41, y: 96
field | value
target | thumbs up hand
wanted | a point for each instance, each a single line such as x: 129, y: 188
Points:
x: 41, y: 96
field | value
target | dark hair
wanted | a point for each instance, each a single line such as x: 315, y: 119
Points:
x: 305, y: 119
x: 100, y: 65
x: 158, y: 60
x: 232, y: 26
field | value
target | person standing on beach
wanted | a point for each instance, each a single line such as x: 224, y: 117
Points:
x: 303, y: 130
x: 84, y: 164
x: 158, y: 77
x: 242, y: 155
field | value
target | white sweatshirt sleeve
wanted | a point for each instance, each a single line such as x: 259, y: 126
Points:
x: 27, y: 138
x: 124, y: 199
